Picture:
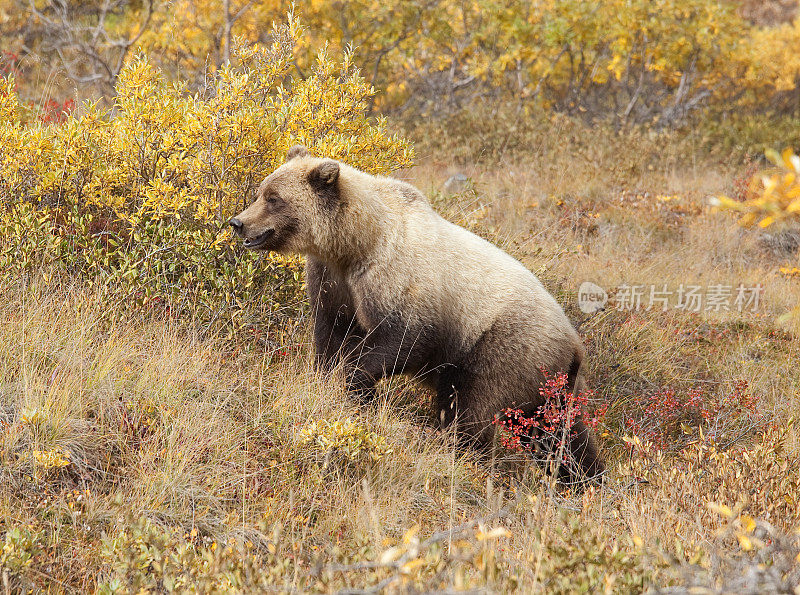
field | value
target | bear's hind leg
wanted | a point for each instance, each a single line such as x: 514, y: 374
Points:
x: 455, y: 399
x: 574, y: 458
x: 446, y: 396
x: 585, y: 463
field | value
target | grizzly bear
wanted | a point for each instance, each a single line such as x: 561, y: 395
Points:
x: 397, y: 289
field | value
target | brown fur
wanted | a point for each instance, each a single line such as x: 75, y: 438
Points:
x: 397, y: 289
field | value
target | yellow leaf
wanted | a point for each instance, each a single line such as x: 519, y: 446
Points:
x: 745, y: 543
x: 773, y: 156
x: 32, y: 416
x: 770, y: 183
x: 786, y: 157
x: 495, y: 533
x: 748, y: 219
x: 720, y: 509
x: 409, y: 566
x: 410, y: 534
x: 391, y: 555
x: 725, y: 202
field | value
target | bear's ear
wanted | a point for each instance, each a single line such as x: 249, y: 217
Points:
x: 324, y: 175
x: 323, y: 180
x: 296, y: 151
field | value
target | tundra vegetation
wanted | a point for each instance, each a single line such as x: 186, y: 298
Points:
x: 162, y: 427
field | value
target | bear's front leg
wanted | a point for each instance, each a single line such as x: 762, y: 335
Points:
x: 361, y: 385
x: 381, y: 353
x: 334, y: 315
x: 334, y: 335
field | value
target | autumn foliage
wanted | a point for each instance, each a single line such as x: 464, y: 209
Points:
x: 162, y: 425
x: 770, y: 197
x: 134, y: 198
x: 657, y: 62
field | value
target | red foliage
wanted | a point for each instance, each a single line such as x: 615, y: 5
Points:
x: 8, y: 65
x: 664, y: 418
x: 555, y: 418
x: 741, y: 183
x: 665, y: 414
x: 598, y: 417
x: 55, y: 112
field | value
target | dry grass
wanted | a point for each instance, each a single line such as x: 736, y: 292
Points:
x: 204, y: 438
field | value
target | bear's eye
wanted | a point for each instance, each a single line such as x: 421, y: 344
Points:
x: 272, y: 199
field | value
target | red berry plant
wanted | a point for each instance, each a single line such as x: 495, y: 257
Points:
x: 669, y: 419
x: 56, y: 112
x: 8, y: 63
x: 549, y: 427
x: 666, y: 420
x: 50, y: 111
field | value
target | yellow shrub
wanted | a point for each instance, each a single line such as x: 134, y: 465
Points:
x: 773, y: 196
x: 133, y: 199
x: 628, y: 59
x: 766, y: 62
x: 20, y: 547
x: 344, y: 439
x: 623, y: 60
x: 50, y: 459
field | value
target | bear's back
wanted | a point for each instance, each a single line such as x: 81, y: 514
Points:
x: 468, y: 280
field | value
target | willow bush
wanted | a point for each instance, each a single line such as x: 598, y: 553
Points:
x: 771, y: 198
x: 134, y: 199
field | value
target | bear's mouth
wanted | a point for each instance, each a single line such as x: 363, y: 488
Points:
x: 259, y: 240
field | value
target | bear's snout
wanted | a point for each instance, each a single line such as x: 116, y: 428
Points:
x: 237, y: 226
x: 250, y: 242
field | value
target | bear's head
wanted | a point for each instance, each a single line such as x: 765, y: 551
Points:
x: 288, y: 203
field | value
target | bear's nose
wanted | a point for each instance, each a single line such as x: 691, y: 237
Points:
x: 237, y: 225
